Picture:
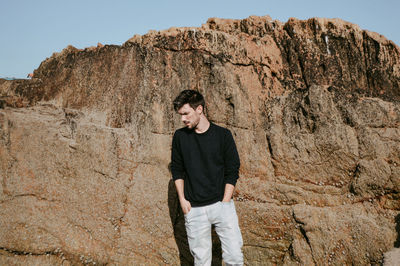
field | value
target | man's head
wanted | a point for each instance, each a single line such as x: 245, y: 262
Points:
x: 190, y: 105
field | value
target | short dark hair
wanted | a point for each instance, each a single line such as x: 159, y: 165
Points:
x: 192, y: 97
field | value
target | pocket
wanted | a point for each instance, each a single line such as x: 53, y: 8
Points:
x: 227, y: 203
x: 225, y: 207
x: 188, y: 213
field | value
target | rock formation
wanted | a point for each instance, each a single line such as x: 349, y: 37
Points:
x: 314, y: 107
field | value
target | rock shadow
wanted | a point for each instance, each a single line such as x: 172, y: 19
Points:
x: 178, y: 225
x: 397, y: 242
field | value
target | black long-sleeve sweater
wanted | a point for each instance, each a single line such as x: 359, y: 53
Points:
x: 206, y: 162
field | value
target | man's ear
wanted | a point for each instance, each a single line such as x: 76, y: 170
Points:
x: 199, y: 109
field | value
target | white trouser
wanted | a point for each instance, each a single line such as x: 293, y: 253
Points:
x: 198, y: 228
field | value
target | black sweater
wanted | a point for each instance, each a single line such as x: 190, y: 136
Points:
x: 206, y: 162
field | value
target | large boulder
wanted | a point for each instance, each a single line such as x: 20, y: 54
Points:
x: 314, y: 107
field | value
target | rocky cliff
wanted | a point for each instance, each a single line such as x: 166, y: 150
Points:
x: 314, y: 107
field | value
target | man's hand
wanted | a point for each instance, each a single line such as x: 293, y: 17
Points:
x: 228, y: 192
x: 185, y: 205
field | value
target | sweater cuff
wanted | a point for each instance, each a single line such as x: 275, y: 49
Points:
x: 231, y: 180
x: 177, y: 177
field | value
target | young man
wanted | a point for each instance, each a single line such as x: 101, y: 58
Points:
x: 205, y: 166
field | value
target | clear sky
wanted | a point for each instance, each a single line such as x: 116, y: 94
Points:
x: 32, y: 30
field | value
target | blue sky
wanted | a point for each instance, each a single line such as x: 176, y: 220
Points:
x: 32, y: 30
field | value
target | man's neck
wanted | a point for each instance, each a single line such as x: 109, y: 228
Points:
x: 203, y: 125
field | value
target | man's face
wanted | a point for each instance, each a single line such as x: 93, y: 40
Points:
x: 189, y: 116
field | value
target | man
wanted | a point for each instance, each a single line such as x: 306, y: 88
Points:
x: 205, y: 166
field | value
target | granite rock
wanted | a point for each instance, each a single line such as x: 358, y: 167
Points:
x: 314, y: 107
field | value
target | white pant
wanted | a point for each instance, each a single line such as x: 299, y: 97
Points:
x: 198, y: 228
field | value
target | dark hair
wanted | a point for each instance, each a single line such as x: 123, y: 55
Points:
x: 192, y: 97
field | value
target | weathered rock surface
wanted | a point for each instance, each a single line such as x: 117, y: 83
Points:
x: 392, y: 258
x: 314, y: 107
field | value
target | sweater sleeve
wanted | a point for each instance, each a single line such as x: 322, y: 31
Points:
x: 177, y: 168
x: 231, y: 160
